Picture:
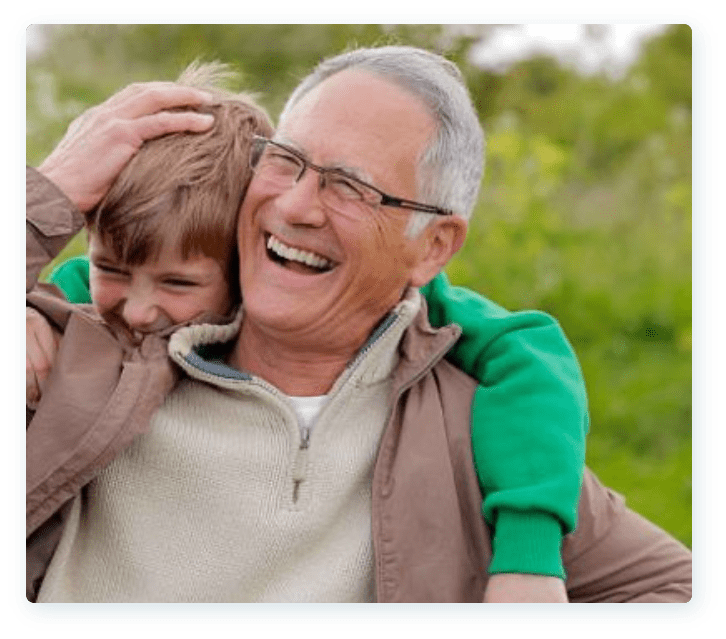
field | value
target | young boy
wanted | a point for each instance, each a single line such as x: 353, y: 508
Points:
x: 162, y: 254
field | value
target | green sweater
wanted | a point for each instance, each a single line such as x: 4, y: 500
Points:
x: 529, y: 417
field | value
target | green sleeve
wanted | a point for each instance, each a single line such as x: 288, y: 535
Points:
x: 529, y: 422
x: 71, y: 277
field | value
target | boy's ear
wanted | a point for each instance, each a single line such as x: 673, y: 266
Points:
x: 440, y: 241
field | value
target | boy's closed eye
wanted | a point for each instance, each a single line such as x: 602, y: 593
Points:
x: 110, y: 268
x: 180, y: 282
x: 170, y: 285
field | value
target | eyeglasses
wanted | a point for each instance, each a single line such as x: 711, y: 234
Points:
x: 283, y: 167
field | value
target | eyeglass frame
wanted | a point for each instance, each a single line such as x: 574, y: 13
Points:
x: 386, y: 200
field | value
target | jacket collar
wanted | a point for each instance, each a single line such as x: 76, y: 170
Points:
x: 422, y: 347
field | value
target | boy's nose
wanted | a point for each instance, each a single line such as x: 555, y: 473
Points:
x: 141, y: 314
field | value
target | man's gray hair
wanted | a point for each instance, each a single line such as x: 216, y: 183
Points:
x: 450, y: 171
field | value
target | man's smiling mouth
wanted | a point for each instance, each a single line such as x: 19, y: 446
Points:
x: 297, y: 259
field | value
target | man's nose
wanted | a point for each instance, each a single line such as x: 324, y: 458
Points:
x: 301, y: 204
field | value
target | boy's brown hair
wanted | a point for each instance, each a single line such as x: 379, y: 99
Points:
x: 185, y: 189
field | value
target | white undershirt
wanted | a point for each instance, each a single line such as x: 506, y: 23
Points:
x: 307, y: 409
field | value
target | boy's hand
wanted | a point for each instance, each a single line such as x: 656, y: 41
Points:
x: 101, y: 141
x: 41, y: 345
x: 519, y: 588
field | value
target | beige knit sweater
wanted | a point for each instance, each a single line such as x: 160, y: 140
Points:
x: 224, y: 500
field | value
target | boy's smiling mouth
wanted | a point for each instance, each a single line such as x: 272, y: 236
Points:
x: 299, y: 260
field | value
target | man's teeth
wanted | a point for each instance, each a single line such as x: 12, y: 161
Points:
x: 297, y: 255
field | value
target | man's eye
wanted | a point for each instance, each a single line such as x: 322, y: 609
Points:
x: 346, y: 188
x: 282, y: 160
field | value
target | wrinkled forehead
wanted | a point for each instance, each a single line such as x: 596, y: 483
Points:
x: 358, y: 119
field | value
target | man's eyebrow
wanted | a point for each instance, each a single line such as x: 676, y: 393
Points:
x: 352, y: 171
x: 281, y: 139
x: 343, y: 168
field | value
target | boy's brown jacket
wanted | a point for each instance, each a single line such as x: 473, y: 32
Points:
x: 430, y: 540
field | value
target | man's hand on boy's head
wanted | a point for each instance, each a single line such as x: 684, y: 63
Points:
x: 101, y: 141
x: 41, y: 345
x: 521, y: 588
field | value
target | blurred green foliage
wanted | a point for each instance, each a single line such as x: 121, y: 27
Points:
x: 585, y: 207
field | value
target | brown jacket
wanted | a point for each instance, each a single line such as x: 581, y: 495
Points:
x: 430, y: 540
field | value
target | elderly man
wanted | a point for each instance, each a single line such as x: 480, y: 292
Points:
x: 227, y: 498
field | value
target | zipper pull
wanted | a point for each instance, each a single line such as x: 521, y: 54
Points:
x: 301, y: 462
x: 304, y: 437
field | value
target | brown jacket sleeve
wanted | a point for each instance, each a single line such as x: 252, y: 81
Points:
x: 615, y: 555
x: 51, y: 220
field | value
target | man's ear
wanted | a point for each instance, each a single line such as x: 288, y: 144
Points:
x: 440, y: 241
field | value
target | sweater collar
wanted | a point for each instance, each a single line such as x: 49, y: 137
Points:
x: 403, y: 339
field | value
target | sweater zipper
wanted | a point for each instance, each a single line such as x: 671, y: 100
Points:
x: 301, y: 462
x: 301, y: 458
